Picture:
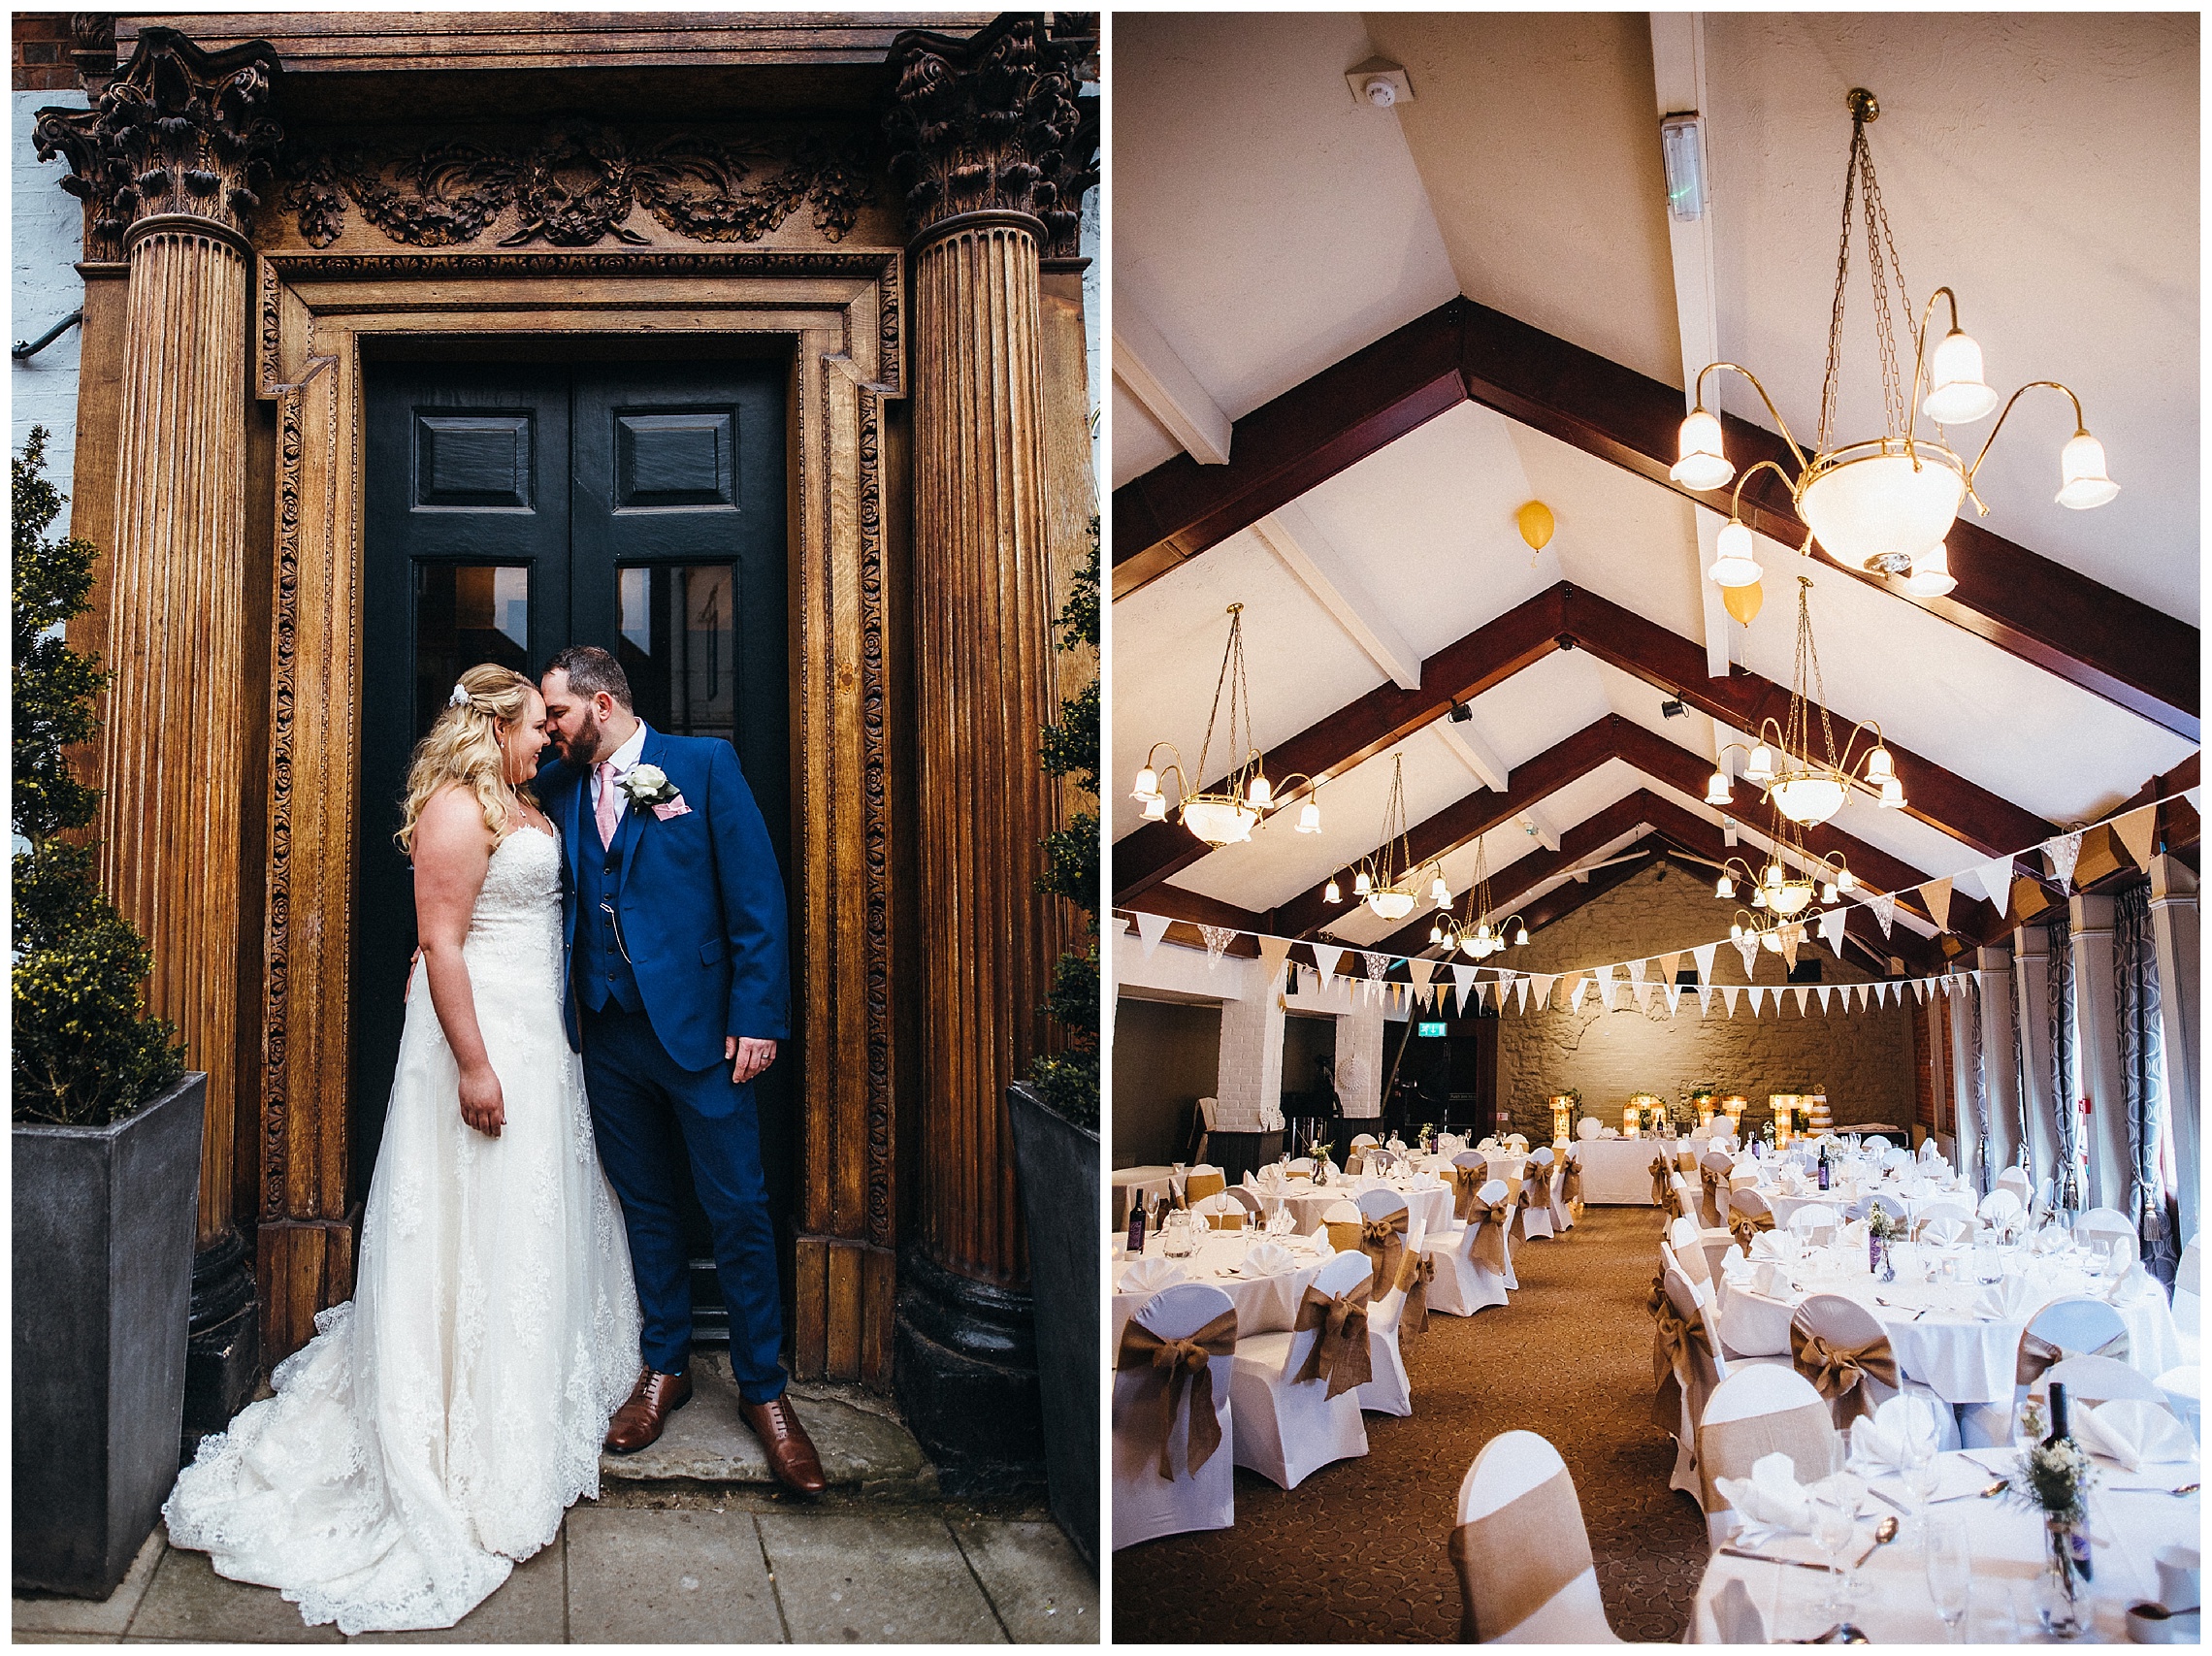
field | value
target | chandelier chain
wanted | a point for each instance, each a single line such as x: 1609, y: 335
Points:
x: 1232, y: 662
x: 1861, y: 190
x: 1805, y: 677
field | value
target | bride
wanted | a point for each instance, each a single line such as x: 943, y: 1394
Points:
x: 441, y: 1423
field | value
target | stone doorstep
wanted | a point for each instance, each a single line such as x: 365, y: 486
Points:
x: 865, y: 1449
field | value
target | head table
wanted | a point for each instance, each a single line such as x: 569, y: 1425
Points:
x: 2132, y: 1518
x: 1618, y: 1172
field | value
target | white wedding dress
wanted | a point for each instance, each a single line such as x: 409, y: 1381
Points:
x: 441, y: 1423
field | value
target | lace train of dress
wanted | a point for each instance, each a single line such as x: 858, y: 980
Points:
x: 441, y: 1423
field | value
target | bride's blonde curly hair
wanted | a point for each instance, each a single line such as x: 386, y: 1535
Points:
x: 464, y: 747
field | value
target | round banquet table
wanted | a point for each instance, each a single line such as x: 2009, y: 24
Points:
x: 1939, y: 1338
x: 2130, y: 1519
x: 1428, y: 1204
x: 1841, y: 1197
x: 1130, y: 1183
x: 1264, y: 1305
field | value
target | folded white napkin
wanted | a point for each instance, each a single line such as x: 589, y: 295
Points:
x: 1736, y: 1617
x: 2012, y: 1300
x: 1767, y: 1279
x: 1853, y: 1235
x: 1608, y: 1132
x: 1269, y: 1259
x: 1882, y: 1441
x: 1768, y: 1247
x: 1945, y: 1233
x: 1148, y: 1275
x: 2052, y: 1239
x: 2132, y: 1432
x: 2137, y: 1283
x: 1772, y: 1503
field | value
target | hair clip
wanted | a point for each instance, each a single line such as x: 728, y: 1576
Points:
x: 459, y: 698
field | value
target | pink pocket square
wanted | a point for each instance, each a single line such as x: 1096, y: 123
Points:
x: 673, y: 808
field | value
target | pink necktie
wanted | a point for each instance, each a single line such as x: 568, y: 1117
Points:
x: 606, y: 809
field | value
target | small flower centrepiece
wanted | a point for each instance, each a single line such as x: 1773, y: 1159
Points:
x: 2055, y: 1480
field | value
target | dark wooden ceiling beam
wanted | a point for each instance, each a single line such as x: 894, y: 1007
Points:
x: 2029, y: 605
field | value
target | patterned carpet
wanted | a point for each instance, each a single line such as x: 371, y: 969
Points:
x: 1357, y: 1551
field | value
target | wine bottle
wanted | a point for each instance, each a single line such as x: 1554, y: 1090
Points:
x: 1137, y: 1227
x: 1824, y: 1166
x: 2059, y: 1430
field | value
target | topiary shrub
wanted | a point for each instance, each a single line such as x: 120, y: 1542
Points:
x: 1068, y: 1079
x: 84, y: 1053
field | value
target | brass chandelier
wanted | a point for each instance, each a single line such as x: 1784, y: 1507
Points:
x: 1882, y: 504
x: 1804, y: 787
x: 1224, y: 815
x: 1476, y: 937
x: 1386, y: 879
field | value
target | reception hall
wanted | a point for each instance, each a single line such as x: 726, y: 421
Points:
x: 1655, y: 831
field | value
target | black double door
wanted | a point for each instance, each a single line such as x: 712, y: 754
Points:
x: 515, y: 508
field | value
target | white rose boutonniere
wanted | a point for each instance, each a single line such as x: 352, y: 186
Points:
x: 648, y: 785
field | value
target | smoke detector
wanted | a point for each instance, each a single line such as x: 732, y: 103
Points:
x: 1379, y: 84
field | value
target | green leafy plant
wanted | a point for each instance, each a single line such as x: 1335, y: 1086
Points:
x: 84, y: 1053
x: 1068, y: 1079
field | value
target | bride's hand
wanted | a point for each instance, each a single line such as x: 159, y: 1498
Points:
x: 483, y: 1104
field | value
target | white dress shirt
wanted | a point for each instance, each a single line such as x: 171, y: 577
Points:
x: 622, y: 758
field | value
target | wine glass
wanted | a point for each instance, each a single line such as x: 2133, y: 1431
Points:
x: 1922, y: 1472
x: 1834, y: 1525
x: 1950, y: 1571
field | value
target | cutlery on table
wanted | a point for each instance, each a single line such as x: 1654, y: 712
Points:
x: 1885, y: 1532
x: 1771, y: 1558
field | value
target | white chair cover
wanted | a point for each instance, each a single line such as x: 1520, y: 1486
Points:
x: 2099, y: 1379
x: 1845, y: 1322
x: 1536, y: 1186
x: 1287, y: 1428
x: 2076, y: 1323
x: 2002, y: 1205
x: 1686, y: 1244
x: 1390, y: 1391
x: 1220, y: 1206
x: 1145, y: 1504
x: 1562, y: 1216
x: 1513, y: 1467
x: 1798, y: 1425
x: 2015, y: 1179
x: 1753, y: 1329
x: 1876, y: 1144
x: 1465, y: 1285
x: 1702, y: 1369
x: 1815, y: 1218
x: 2100, y: 1227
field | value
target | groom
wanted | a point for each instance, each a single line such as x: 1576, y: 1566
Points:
x: 678, y: 991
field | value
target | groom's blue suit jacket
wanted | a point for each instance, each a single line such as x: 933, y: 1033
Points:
x: 698, y: 896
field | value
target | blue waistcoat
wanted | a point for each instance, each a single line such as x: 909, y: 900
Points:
x: 602, y: 974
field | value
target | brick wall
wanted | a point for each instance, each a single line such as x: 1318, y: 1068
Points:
x: 1863, y: 1059
x: 41, y: 57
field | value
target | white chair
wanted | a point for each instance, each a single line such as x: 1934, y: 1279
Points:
x: 1713, y: 1210
x: 1516, y: 1143
x: 1145, y: 1504
x: 1249, y: 1199
x: 1287, y: 1428
x: 1517, y: 1489
x: 1221, y: 1211
x: 1536, y: 1187
x: 1816, y: 1221
x: 1755, y: 1412
x: 2098, y: 1379
x: 1465, y: 1285
x: 1702, y: 1369
x: 1390, y: 1391
x: 1958, y: 1213
x: 2100, y: 1227
x: 1206, y: 1110
x: 1876, y: 1144
x: 1356, y: 1158
x: 1846, y: 1323
x: 2004, y: 1207
x: 2076, y: 1323
x: 1753, y: 1329
x: 2015, y: 1179
x: 1562, y: 1216
x: 1301, y: 1165
x: 1203, y: 1181
x: 1686, y: 1245
x: 1339, y: 1220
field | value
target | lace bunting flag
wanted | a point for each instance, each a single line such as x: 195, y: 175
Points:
x: 1885, y: 909
x: 1217, y: 938
x: 2064, y: 851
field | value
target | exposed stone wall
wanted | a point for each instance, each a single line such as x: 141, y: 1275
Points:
x: 1863, y: 1059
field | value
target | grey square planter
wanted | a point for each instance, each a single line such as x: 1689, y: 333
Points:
x: 105, y: 1220
x: 1058, y: 1165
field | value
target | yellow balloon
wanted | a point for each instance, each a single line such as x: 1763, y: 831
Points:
x: 1743, y: 602
x: 1536, y: 523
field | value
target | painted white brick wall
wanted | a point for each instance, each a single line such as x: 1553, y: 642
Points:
x: 1360, y: 1061
x: 1252, y: 1051
x: 44, y: 237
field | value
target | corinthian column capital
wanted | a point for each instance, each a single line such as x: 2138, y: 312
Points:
x: 992, y: 124
x: 177, y: 133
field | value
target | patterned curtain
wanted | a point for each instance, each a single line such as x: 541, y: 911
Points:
x: 2022, y: 1154
x: 2066, y: 1095
x: 1977, y: 1084
x: 2142, y: 1070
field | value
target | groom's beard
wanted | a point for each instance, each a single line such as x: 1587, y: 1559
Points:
x: 583, y: 749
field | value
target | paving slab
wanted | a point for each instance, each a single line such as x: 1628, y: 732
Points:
x: 873, y: 1576
x: 639, y: 1576
x: 863, y: 1451
x: 1037, y: 1583
x: 187, y: 1600
x: 529, y: 1607
x: 43, y: 1613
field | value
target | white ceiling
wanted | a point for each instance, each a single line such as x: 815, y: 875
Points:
x: 1268, y: 226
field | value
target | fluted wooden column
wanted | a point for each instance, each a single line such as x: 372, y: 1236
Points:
x: 171, y: 748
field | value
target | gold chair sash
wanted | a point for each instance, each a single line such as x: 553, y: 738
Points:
x: 1571, y: 1186
x: 1383, y: 1240
x: 1339, y: 1354
x: 1226, y: 1222
x: 1415, y: 1276
x: 1188, y: 1365
x: 1716, y: 1194
x: 1673, y: 1339
x: 1515, y: 1560
x: 1465, y: 1183
x: 1661, y: 1190
x: 2037, y: 1353
x: 1197, y: 1186
x: 1806, y: 1434
x: 1531, y: 1194
x: 1835, y: 1370
x: 1343, y: 1234
x: 1489, y: 1221
x: 1744, y: 1227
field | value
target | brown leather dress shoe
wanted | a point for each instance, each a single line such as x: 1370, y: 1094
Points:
x: 640, y: 1421
x: 791, y: 1451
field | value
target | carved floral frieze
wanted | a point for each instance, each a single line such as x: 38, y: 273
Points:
x: 575, y: 184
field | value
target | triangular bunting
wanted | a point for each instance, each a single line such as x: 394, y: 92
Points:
x: 1995, y: 878
x: 1792, y: 936
x: 1635, y: 970
x: 1758, y: 999
x: 1822, y: 991
x: 1151, y: 928
x: 1463, y: 975
x: 1674, y: 996
x: 1326, y: 958
x: 1543, y: 982
x: 1644, y: 996
x: 2139, y: 833
x: 1377, y: 965
x: 1832, y: 930
x: 2194, y: 795
x: 1884, y: 906
x: 1800, y: 992
x: 1217, y: 938
x: 1482, y: 993
x: 1937, y: 894
x: 1578, y: 988
x: 1728, y: 994
x: 1422, y: 971
x: 1920, y: 990
x: 1669, y: 967
x: 1521, y: 992
x: 1703, y: 953
x: 1748, y: 947
x: 1705, y: 999
x: 2064, y: 850
x: 1273, y: 952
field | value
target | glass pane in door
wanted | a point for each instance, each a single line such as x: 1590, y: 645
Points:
x: 678, y: 643
x: 465, y: 614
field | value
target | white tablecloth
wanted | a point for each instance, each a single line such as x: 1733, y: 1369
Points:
x: 1962, y: 1356
x: 1128, y: 1182
x: 2128, y: 1526
x: 1263, y: 1304
x: 1618, y: 1172
x: 1428, y: 1204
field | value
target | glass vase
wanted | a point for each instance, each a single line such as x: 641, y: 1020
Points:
x: 2058, y: 1588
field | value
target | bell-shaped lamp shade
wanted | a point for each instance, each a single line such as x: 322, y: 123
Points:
x: 1735, y: 563
x: 1309, y: 817
x: 1773, y: 876
x: 1959, y: 397
x: 1440, y: 892
x: 1828, y: 893
x: 1435, y: 934
x: 1521, y: 937
x: 1892, y: 796
x: 1361, y: 885
x: 1716, y: 791
x: 1758, y: 897
x: 1724, y: 888
x: 1155, y: 808
x: 1148, y: 785
x: 1844, y: 882
x: 1760, y: 767
x: 2082, y: 479
x: 1735, y: 931
x: 1931, y: 575
x: 1703, y: 465
x: 1880, y: 767
x: 1260, y: 794
x: 1334, y: 894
